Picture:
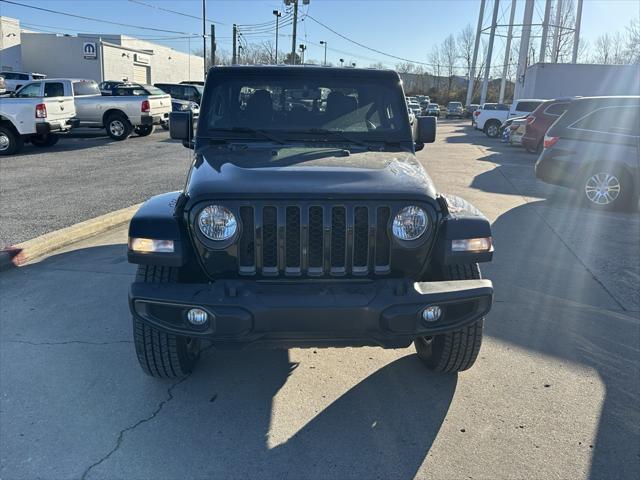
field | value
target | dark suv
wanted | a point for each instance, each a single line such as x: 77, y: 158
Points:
x: 594, y: 147
x: 306, y: 220
x: 190, y: 93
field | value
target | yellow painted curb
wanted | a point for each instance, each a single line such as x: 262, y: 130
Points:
x: 44, y: 244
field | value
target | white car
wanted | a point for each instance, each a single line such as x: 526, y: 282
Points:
x: 14, y: 80
x: 490, y: 116
x: 415, y: 108
x: 138, y: 110
x: 35, y: 114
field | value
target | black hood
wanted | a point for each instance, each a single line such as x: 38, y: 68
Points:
x: 306, y: 172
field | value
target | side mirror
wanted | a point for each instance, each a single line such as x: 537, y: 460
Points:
x: 426, y: 130
x: 181, y: 127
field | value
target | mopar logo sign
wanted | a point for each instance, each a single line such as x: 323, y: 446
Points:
x: 89, y: 50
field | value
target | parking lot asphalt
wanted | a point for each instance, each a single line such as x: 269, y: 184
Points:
x: 554, y: 394
x: 84, y: 175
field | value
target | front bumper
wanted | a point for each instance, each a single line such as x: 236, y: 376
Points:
x: 386, y: 313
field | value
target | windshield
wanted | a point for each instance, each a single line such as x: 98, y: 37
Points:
x: 369, y: 109
x: 85, y: 87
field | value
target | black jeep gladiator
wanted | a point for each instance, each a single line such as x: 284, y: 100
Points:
x: 306, y: 221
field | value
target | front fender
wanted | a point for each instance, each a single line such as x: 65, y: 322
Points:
x: 156, y: 219
x: 461, y: 221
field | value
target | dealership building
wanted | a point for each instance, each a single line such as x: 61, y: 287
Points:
x: 94, y: 56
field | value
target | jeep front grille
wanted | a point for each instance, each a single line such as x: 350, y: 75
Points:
x: 314, y: 240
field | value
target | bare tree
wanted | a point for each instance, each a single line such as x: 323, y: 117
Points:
x: 565, y: 30
x: 610, y: 49
x: 632, y: 47
x: 435, y: 58
x: 449, y: 55
x: 377, y: 65
x: 466, y: 42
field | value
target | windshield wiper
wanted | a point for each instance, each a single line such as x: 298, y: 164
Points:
x: 254, y: 131
x: 336, y: 133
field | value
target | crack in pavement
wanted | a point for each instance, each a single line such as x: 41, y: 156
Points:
x: 122, y: 432
x: 153, y: 415
x: 69, y: 342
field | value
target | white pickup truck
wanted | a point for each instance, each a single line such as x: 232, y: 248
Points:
x: 119, y: 115
x: 490, y: 116
x: 35, y: 114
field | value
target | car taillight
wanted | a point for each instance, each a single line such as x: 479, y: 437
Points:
x: 550, y: 141
x: 41, y: 110
x: 530, y: 120
x: 476, y: 113
x: 145, y: 106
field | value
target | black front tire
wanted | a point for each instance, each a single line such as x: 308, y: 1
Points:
x: 10, y: 141
x: 48, y: 140
x: 456, y: 351
x: 161, y: 354
x: 144, y: 130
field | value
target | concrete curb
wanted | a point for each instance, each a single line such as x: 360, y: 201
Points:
x: 47, y: 243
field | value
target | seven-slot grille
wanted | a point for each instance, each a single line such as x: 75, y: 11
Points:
x: 314, y: 240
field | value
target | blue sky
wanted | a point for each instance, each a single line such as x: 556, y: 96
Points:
x: 406, y: 28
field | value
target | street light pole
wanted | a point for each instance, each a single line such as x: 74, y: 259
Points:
x: 278, y: 14
x: 342, y: 62
x: 322, y: 42
x: 204, y: 37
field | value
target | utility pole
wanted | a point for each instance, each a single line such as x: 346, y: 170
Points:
x: 545, y: 31
x: 278, y: 14
x: 213, y: 45
x: 204, y: 37
x: 492, y: 36
x: 295, y: 30
x: 576, y: 33
x: 556, y: 33
x: 507, y: 52
x: 322, y: 42
x: 472, y: 72
x: 524, y: 48
x: 234, y: 55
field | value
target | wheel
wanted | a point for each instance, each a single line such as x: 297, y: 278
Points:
x: 144, y: 130
x: 165, y: 125
x: 607, y: 188
x: 161, y: 354
x: 455, y: 351
x: 10, y: 141
x: 492, y: 129
x: 118, y: 126
x: 48, y: 140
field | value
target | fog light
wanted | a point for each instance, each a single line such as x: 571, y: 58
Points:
x: 197, y: 317
x: 432, y: 313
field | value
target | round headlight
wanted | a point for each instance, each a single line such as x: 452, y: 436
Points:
x: 217, y: 222
x: 184, y: 107
x: 410, y: 223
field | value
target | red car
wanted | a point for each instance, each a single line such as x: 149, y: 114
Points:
x: 539, y: 121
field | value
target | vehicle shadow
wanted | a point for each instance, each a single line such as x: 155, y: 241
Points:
x: 548, y: 302
x: 220, y: 421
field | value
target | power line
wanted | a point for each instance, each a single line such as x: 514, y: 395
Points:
x: 139, y: 2
x: 361, y: 45
x: 96, y: 19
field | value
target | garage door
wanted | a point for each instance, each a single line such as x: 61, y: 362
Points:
x: 141, y: 74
